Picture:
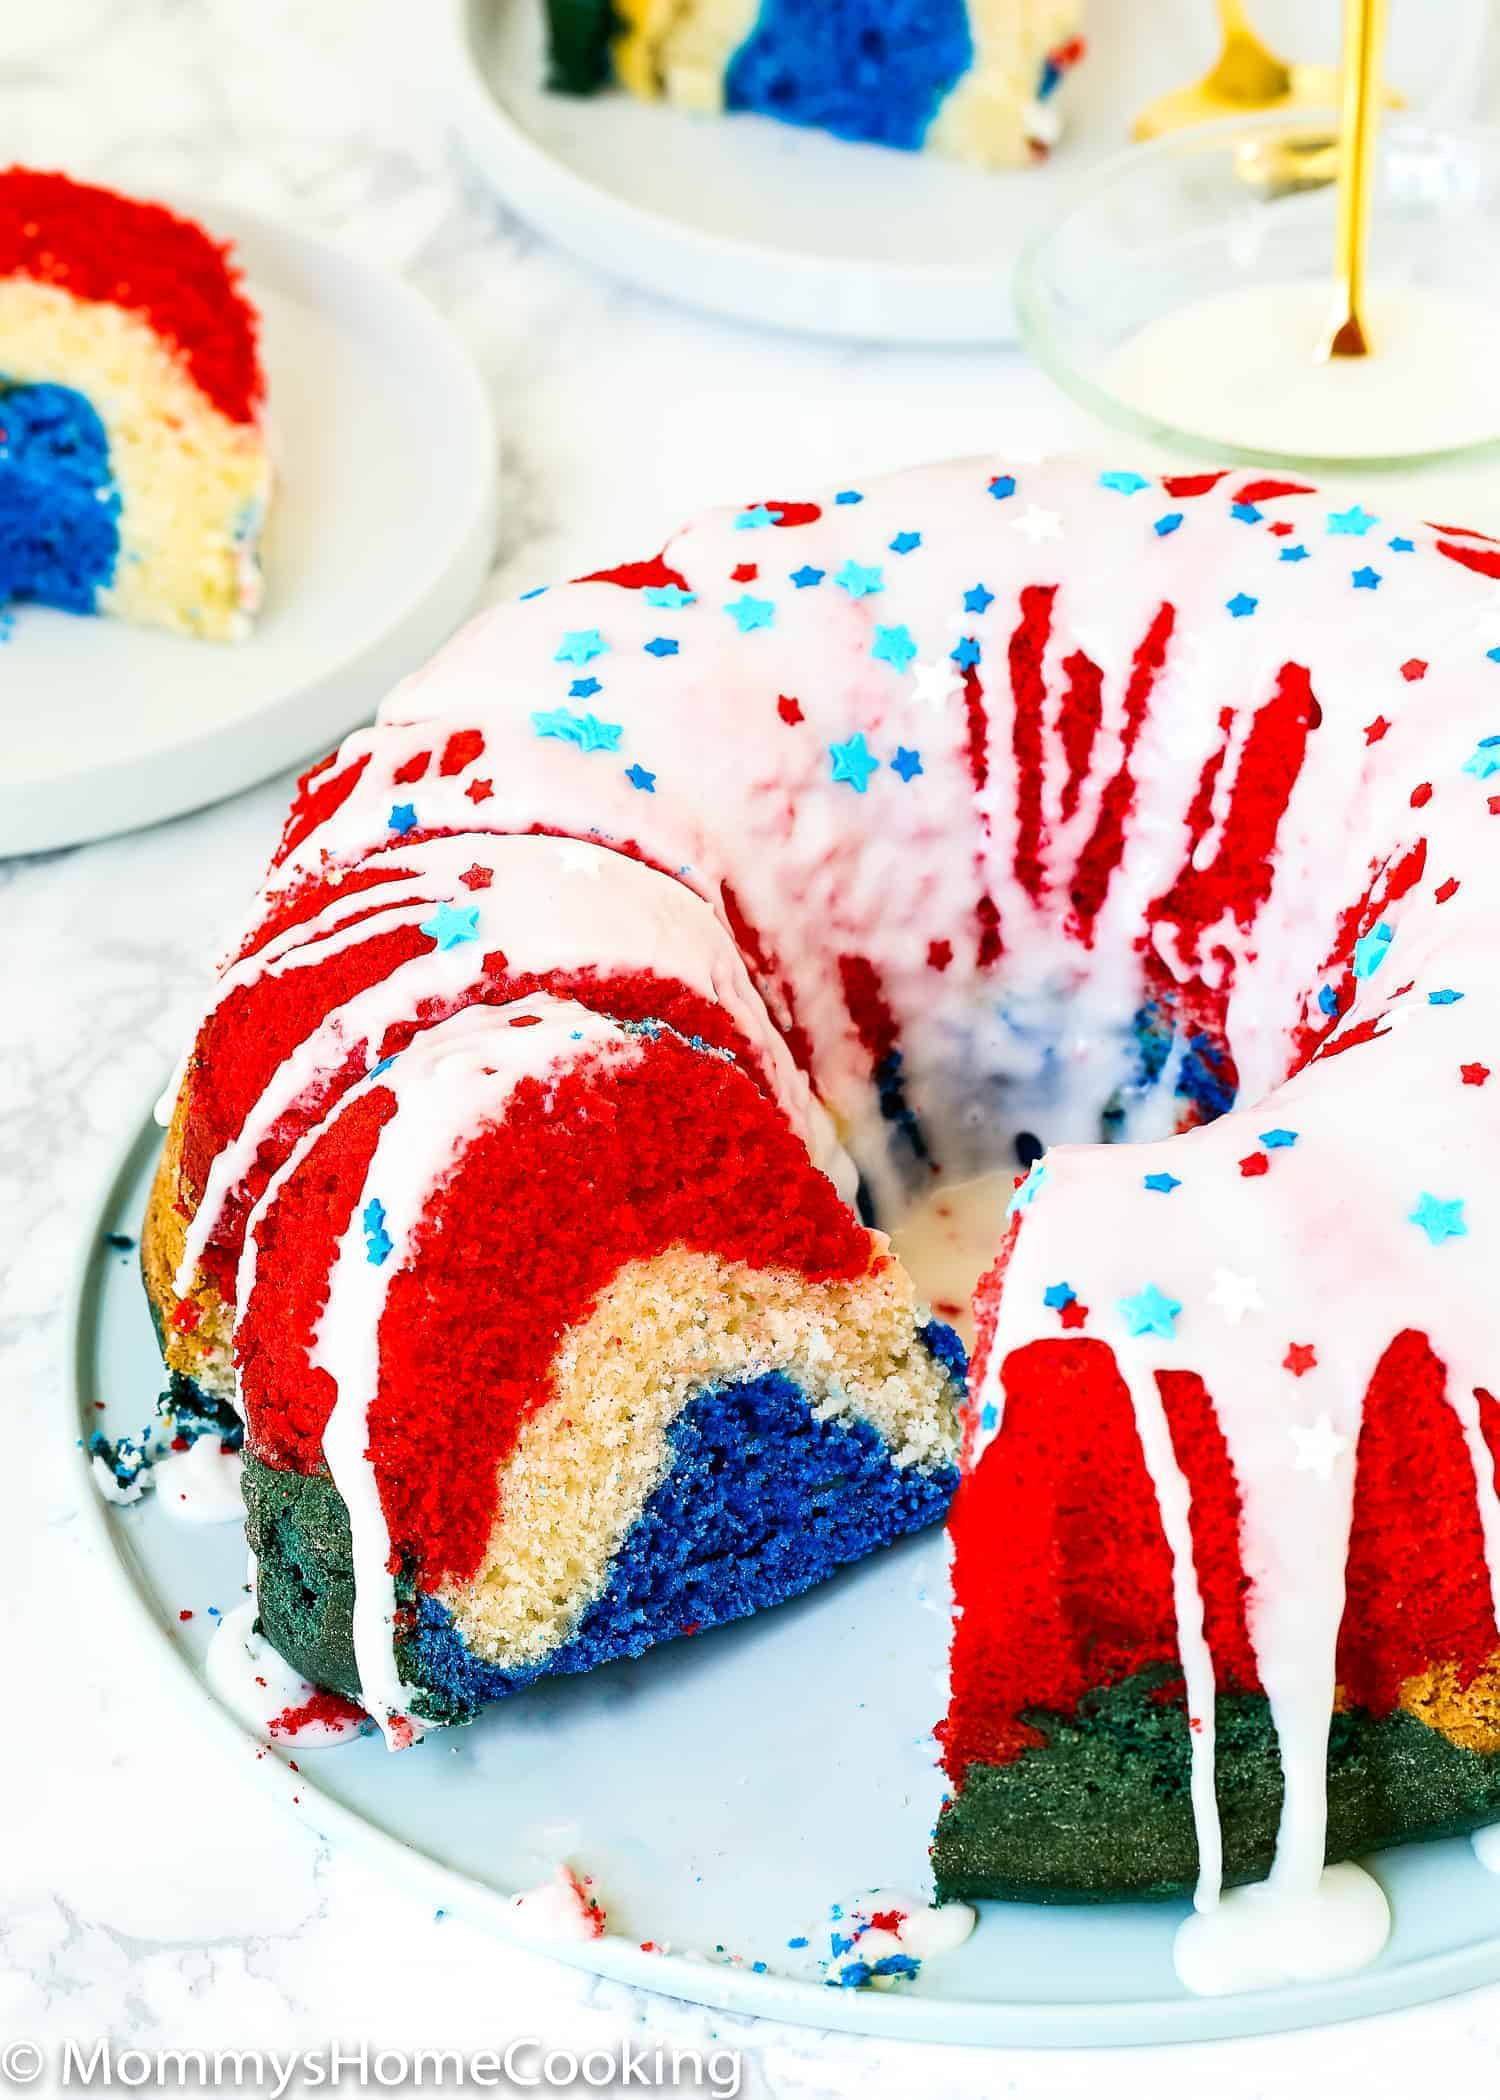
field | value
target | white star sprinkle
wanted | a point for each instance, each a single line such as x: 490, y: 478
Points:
x: 936, y: 684
x: 1318, y: 1448
x: 1038, y: 524
x: 1234, y: 1296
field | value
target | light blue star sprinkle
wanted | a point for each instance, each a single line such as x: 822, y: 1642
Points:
x: 1150, y: 1311
x: 860, y: 579
x: 894, y: 645
x: 1353, y: 521
x: 966, y: 653
x: 452, y: 924
x: 1002, y: 485
x: 1027, y: 1193
x: 1278, y: 1140
x: 978, y: 600
x: 1241, y: 605
x: 1057, y: 1295
x: 640, y: 778
x: 1166, y: 524
x: 378, y: 1242
x: 1486, y: 759
x: 1123, y: 484
x: 907, y: 764
x: 1401, y: 546
x: 403, y: 817
x: 1162, y: 1184
x: 754, y: 518
x: 1439, y: 1220
x: 661, y: 645
x: 1366, y: 579
x: 1494, y: 654
x: 580, y: 647
x: 749, y: 613
x: 586, y: 731
x: 669, y: 595
x: 906, y: 542
x: 1444, y: 998
x: 854, y: 762
x: 584, y: 688
x: 807, y: 577
x: 1297, y: 553
x: 1372, y: 948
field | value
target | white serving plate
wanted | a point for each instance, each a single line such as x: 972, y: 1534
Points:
x: 790, y: 229
x: 381, y: 531
x: 722, y: 1792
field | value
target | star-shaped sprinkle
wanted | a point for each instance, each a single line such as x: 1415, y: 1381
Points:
x: 1036, y: 524
x: 1166, y: 524
x: 1026, y: 1194
x: 450, y: 925
x: 854, y: 762
x: 1057, y: 1295
x: 1293, y: 553
x: 1241, y: 605
x: 978, y: 600
x: 1446, y: 997
x: 1254, y: 1164
x: 669, y: 595
x: 1493, y: 655
x: 966, y: 652
x: 1234, y: 1295
x: 744, y: 572
x: 934, y: 685
x: 1402, y: 546
x: 584, y: 688
x: 1123, y: 484
x: 755, y: 517
x: 847, y: 496
x: 1328, y: 1000
x: 1377, y: 729
x: 378, y: 1242
x: 1150, y: 1311
x: 749, y: 613
x: 403, y: 817
x: 586, y: 731
x: 477, y: 878
x: 480, y: 790
x: 1438, y: 1219
x: 1366, y: 579
x: 1353, y: 521
x: 908, y: 764
x: 1278, y: 1140
x: 640, y: 778
x: 580, y: 646
x: 1486, y: 758
x: 906, y: 542
x: 1474, y: 1075
x: 1372, y: 948
x: 1002, y: 485
x: 1300, y: 1358
x: 860, y: 579
x: 790, y: 709
x: 807, y: 577
x: 1246, y: 513
x: 660, y: 645
x: 1074, y: 1315
x: 1162, y: 1184
x: 1318, y: 1449
x: 895, y: 646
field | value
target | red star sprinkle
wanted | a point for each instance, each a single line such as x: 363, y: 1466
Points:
x: 939, y: 954
x: 184, y: 1616
x: 1375, y: 730
x: 480, y: 790
x: 1445, y: 890
x: 1281, y: 527
x: 477, y: 878
x: 790, y: 710
x: 1413, y: 669
x: 1474, y: 1075
x: 1421, y: 796
x: 1074, y: 1314
x: 1495, y: 805
x: 1300, y: 1357
x: 745, y: 573
x: 1255, y: 1163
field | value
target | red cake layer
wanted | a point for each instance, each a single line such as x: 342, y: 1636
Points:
x: 99, y: 245
x: 674, y: 1149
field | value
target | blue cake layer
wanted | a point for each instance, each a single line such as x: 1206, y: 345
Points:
x: 59, y: 507
x: 762, y: 1501
x: 863, y: 69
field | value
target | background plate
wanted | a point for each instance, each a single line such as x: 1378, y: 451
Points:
x: 380, y: 535
x: 784, y: 227
x: 721, y: 1792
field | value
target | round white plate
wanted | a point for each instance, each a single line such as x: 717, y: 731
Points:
x: 722, y: 1792
x: 380, y: 535
x: 792, y: 229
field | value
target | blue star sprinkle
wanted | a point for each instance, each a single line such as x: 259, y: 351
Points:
x: 1372, y: 948
x: 1297, y: 553
x: 1151, y: 1312
x: 1328, y: 1000
x: 1486, y: 759
x: 859, y: 579
x: 906, y: 542
x: 894, y: 645
x: 1366, y: 579
x: 1241, y: 605
x: 1444, y: 998
x: 1002, y: 485
x: 1439, y: 1220
x: 854, y: 762
x: 452, y: 924
x: 1278, y: 1140
x: 908, y: 764
x: 848, y: 496
x: 1162, y: 1184
x: 586, y: 731
x: 1030, y: 1188
x: 1167, y: 524
x: 1123, y: 484
x: 584, y: 688
x: 670, y: 595
x: 580, y: 647
x: 756, y: 517
x: 640, y: 778
x: 378, y: 1242
x: 1493, y: 655
x: 660, y: 645
x: 403, y: 817
x: 1353, y: 521
x: 966, y: 653
x: 807, y: 577
x: 1057, y: 1295
x: 1246, y: 513
x: 1400, y: 546
x: 748, y: 613
x: 978, y: 600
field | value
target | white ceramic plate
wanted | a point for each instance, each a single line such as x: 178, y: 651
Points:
x: 380, y: 535
x: 791, y: 229
x: 722, y: 1792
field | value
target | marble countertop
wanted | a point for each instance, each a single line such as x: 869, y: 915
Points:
x: 146, y: 1894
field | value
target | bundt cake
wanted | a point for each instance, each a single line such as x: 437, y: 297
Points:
x: 976, y: 80
x: 677, y: 930
x: 134, y: 471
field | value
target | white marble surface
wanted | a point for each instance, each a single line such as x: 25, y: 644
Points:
x: 145, y: 1893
